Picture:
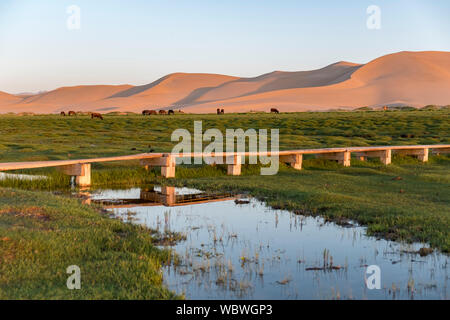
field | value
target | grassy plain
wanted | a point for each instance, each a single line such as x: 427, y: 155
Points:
x: 407, y: 200
x: 42, y: 234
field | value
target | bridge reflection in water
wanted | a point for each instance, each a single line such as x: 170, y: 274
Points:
x: 167, y: 197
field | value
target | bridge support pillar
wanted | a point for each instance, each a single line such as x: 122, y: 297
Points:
x: 81, y: 171
x: 384, y: 155
x: 293, y: 160
x: 234, y: 169
x: 166, y: 162
x: 341, y: 157
x: 168, y: 167
x: 421, y: 154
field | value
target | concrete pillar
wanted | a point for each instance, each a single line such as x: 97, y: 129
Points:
x: 81, y: 171
x: 344, y: 158
x: 421, y: 154
x: 168, y: 167
x: 383, y: 155
x: 166, y: 162
x: 341, y: 157
x: 386, y: 156
x: 234, y: 169
x: 294, y: 160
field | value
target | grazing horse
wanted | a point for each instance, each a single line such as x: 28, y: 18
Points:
x: 148, y: 112
x: 218, y: 111
x: 162, y: 112
x: 222, y: 111
x: 72, y: 113
x: 96, y: 115
x: 63, y: 113
x: 273, y: 110
x: 171, y: 112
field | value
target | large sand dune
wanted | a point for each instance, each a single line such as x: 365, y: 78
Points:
x: 405, y: 78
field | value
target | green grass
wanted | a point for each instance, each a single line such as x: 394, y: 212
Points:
x: 415, y: 208
x: 42, y: 234
x: 29, y: 138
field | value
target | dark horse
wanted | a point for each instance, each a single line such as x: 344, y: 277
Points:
x: 273, y: 110
x: 96, y: 115
x: 148, y: 112
x: 63, y: 113
x: 171, y: 112
x: 72, y: 113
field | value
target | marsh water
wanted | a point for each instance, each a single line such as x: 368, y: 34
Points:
x: 237, y: 247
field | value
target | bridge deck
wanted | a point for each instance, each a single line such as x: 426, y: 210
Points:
x: 81, y: 167
x: 57, y: 163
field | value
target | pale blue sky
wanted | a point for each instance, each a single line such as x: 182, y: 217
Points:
x: 138, y: 41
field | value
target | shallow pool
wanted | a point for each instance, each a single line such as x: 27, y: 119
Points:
x: 247, y: 250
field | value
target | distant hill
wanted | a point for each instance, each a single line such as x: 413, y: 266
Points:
x: 404, y: 78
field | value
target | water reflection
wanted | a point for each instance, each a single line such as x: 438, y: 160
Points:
x: 154, y: 196
x: 243, y: 249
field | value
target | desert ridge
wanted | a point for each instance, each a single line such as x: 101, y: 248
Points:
x: 406, y: 78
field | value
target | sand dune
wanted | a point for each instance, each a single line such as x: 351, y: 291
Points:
x: 279, y: 80
x: 8, y: 99
x: 408, y: 78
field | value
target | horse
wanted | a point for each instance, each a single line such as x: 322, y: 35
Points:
x: 273, y: 110
x: 148, y: 112
x: 218, y: 111
x: 162, y: 112
x: 96, y: 115
x: 222, y: 111
x: 63, y: 114
x: 72, y: 113
x: 171, y: 112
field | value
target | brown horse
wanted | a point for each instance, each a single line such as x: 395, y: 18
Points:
x: 63, y: 114
x: 72, y: 113
x: 171, y: 112
x: 218, y: 111
x: 273, y: 110
x: 148, y: 112
x: 96, y: 115
x: 162, y: 112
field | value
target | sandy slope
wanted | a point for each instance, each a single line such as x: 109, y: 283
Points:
x: 411, y: 78
x: 407, y: 78
x: 8, y: 99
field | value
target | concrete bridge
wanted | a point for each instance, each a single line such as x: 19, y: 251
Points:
x: 81, y: 168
